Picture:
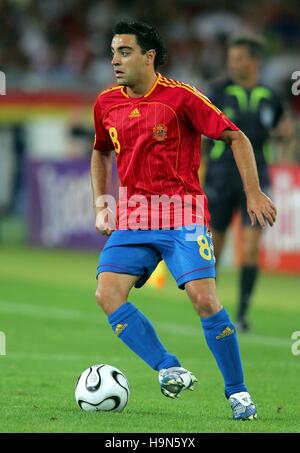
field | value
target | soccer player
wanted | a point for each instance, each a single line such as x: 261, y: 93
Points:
x: 256, y: 110
x: 155, y: 125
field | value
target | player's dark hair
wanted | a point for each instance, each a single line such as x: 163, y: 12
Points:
x: 146, y: 36
x: 254, y: 44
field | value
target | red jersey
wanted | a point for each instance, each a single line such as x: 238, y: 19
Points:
x: 157, y: 139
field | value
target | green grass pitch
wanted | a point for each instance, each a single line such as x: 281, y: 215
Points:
x: 54, y: 330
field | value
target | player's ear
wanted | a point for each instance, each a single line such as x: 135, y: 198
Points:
x: 150, y: 56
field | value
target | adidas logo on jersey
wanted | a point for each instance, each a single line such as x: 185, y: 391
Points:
x: 135, y: 113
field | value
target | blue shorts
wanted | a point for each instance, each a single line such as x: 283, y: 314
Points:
x: 187, y: 251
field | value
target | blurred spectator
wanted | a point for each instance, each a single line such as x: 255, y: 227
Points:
x: 11, y: 169
x: 54, y: 44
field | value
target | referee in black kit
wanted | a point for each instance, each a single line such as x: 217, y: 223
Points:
x: 255, y: 109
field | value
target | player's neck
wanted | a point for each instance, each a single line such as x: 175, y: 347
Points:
x: 143, y: 87
x: 247, y: 82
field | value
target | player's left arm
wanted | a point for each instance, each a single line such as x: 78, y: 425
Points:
x: 260, y: 207
x: 207, y: 119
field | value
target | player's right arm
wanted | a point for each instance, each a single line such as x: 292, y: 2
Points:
x: 101, y: 169
x: 259, y: 205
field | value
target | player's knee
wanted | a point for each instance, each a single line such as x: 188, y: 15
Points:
x: 104, y: 298
x: 206, y: 304
x: 251, y: 255
x: 107, y: 299
x: 100, y: 297
x: 251, y: 246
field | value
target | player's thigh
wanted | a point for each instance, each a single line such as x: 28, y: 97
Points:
x: 251, y: 234
x: 135, y: 259
x: 203, y: 295
x: 188, y: 253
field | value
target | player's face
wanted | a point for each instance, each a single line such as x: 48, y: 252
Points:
x: 128, y: 61
x: 241, y: 63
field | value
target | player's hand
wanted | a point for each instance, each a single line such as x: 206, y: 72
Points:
x: 105, y: 221
x: 261, y: 208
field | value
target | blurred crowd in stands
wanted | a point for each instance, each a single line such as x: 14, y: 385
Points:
x: 65, y: 44
x: 56, y: 44
x: 59, y: 45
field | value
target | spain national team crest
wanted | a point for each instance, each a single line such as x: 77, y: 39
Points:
x: 160, y: 132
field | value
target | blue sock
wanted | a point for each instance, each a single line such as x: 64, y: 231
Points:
x: 221, y: 338
x: 137, y: 332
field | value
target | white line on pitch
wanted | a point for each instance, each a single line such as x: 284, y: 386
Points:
x: 64, y: 314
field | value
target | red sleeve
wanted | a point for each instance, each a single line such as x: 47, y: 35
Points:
x: 102, y: 138
x: 205, y: 117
